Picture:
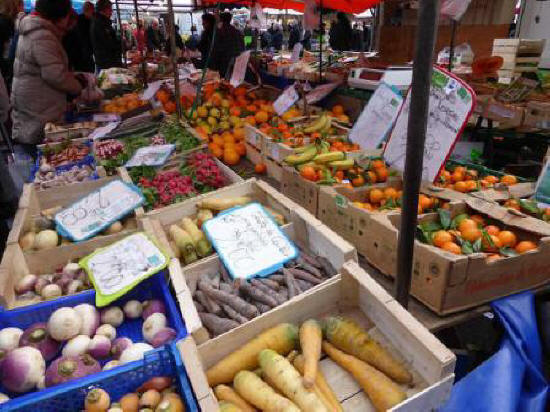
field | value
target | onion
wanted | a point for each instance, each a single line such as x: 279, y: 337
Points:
x: 133, y: 309
x: 106, y: 330
x: 163, y: 336
x: 153, y: 306
x: 67, y: 368
x: 4, y: 398
x: 27, y: 241
x: 25, y: 284
x: 76, y: 346
x: 71, y: 269
x: 89, y: 316
x: 41, y: 282
x: 37, y: 336
x: 113, y: 316
x: 64, y: 324
x: 99, y: 347
x: 46, y: 239
x: 135, y: 352
x: 51, y: 291
x: 22, y: 369
x: 153, y: 324
x: 119, y: 346
x: 97, y: 400
x: 111, y: 364
x: 9, y: 340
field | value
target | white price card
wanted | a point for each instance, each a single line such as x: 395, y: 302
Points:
x: 117, y: 268
x: 249, y: 242
x: 155, y: 155
x: 320, y: 92
x: 451, y: 104
x: 296, y: 52
x: 285, y: 100
x: 239, y: 69
x: 105, y: 117
x: 377, y: 118
x: 98, y: 210
x: 152, y: 88
x: 103, y: 131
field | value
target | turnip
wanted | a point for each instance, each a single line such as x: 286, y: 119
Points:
x: 64, y: 280
x: 37, y: 336
x: 4, y: 398
x: 133, y: 309
x: 67, y: 368
x: 99, y: 347
x: 89, y: 316
x: 111, y: 364
x: 51, y: 291
x: 74, y: 287
x: 153, y: 324
x: 25, y: 284
x: 46, y: 239
x: 41, y: 384
x: 113, y: 316
x: 120, y: 345
x: 76, y: 346
x: 163, y: 336
x: 71, y: 268
x: 107, y: 330
x: 9, y: 340
x: 40, y: 284
x: 153, y: 306
x: 135, y: 352
x: 64, y: 324
x: 22, y: 369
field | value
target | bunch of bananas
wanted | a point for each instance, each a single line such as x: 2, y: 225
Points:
x: 320, y: 157
x: 321, y: 125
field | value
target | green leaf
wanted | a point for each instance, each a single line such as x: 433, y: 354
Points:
x: 430, y: 226
x: 530, y: 206
x: 477, y: 245
x: 445, y: 218
x: 457, y: 219
x: 460, y: 240
x: 423, y: 236
x: 487, y: 237
x: 508, y: 252
x: 467, y: 248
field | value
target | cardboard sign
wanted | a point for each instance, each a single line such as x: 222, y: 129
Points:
x: 377, y: 118
x: 98, y: 210
x: 103, y: 131
x: 451, y: 104
x: 152, y: 88
x: 285, y: 100
x: 116, y: 269
x: 239, y: 69
x: 296, y: 50
x: 155, y: 155
x: 320, y: 92
x: 249, y: 242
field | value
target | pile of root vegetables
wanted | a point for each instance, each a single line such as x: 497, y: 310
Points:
x: 263, y: 378
x: 224, y: 303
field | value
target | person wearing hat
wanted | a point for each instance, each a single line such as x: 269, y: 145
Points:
x: 105, y: 43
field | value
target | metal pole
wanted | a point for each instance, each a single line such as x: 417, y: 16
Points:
x: 416, y: 135
x: 454, y: 25
x: 173, y: 58
x: 321, y: 30
x: 143, y: 64
x: 121, y: 33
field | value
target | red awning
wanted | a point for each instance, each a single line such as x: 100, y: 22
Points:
x: 347, y: 6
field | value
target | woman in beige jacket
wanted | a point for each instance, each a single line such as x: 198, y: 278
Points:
x: 42, y: 79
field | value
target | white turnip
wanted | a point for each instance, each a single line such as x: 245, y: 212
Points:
x: 9, y: 340
x: 89, y: 316
x: 46, y: 239
x: 25, y: 284
x: 152, y: 325
x: 133, y: 309
x: 153, y: 306
x: 76, y: 346
x: 107, y: 330
x: 113, y: 316
x: 51, y: 291
x: 135, y: 352
x: 111, y: 364
x: 64, y: 324
x: 120, y: 345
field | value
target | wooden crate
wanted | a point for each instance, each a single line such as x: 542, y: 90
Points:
x: 300, y: 190
x: 357, y: 295
x: 448, y: 283
x: 519, y: 56
x: 254, y: 137
x: 537, y: 115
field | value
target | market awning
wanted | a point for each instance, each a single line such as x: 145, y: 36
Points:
x: 347, y: 6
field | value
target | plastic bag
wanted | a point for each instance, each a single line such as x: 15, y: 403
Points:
x: 454, y: 9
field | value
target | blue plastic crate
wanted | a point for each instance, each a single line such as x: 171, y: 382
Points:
x: 154, y: 287
x: 117, y: 382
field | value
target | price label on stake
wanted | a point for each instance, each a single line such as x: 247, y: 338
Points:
x: 239, y: 69
x: 249, y: 242
x: 451, y: 104
x: 377, y: 118
x: 155, y: 155
x: 320, y: 92
x: 103, y: 131
x: 152, y: 88
x: 116, y: 269
x: 285, y: 100
x: 98, y: 210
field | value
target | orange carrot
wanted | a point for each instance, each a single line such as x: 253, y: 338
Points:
x: 311, y: 337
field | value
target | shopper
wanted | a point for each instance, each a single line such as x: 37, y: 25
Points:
x: 295, y: 34
x: 71, y: 41
x: 154, y: 36
x: 128, y: 39
x: 179, y: 43
x: 105, y: 42
x: 306, y: 42
x: 83, y: 26
x: 42, y: 79
x: 9, y: 10
x: 140, y: 36
x: 193, y: 41
x: 357, y: 38
x: 276, y: 37
x: 340, y: 33
x: 205, y: 43
x: 228, y: 45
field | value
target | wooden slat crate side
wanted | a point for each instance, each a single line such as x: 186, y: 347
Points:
x: 301, y: 191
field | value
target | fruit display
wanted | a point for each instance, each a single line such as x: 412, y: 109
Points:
x: 530, y: 207
x: 115, y: 76
x: 473, y: 233
x: 466, y: 180
x: 269, y: 370
x: 123, y: 104
x: 389, y: 199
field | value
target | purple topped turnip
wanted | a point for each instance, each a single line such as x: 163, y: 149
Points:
x: 22, y: 369
x: 153, y: 324
x: 25, y: 284
x: 76, y: 346
x: 99, y: 347
x: 37, y: 336
x: 67, y: 368
x: 106, y: 330
x: 89, y: 316
x: 153, y: 306
x: 113, y: 316
x: 120, y: 345
x: 64, y: 324
x: 163, y: 336
x: 40, y: 284
x: 9, y: 340
x: 133, y: 309
x: 135, y: 352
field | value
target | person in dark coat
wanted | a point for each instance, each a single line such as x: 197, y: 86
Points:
x: 276, y: 37
x: 193, y: 41
x: 265, y: 40
x: 294, y: 37
x: 357, y: 38
x: 228, y: 45
x: 154, y: 37
x: 8, y: 14
x: 341, y: 33
x: 83, y: 25
x: 306, y: 42
x: 179, y: 41
x: 105, y: 42
x: 208, y: 23
x: 366, y: 36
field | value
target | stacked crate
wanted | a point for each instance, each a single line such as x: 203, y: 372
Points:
x: 520, y: 55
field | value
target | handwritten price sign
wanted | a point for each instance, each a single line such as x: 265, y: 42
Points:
x: 98, y: 210
x: 249, y: 242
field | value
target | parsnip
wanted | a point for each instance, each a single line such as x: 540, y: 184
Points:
x: 224, y: 203
x: 202, y: 245
x: 311, y: 337
x: 226, y: 393
x: 260, y: 394
x: 184, y: 242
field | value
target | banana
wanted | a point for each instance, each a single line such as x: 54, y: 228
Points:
x: 324, y: 147
x: 302, y: 149
x: 329, y: 157
x: 303, y: 157
x: 327, y: 125
x: 317, y: 125
x: 341, y: 164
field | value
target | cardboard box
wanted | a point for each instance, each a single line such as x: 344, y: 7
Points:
x: 449, y: 283
x: 357, y: 295
x: 300, y: 190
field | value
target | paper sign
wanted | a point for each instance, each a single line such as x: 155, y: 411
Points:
x: 296, y: 52
x: 105, y: 117
x: 542, y: 189
x: 257, y: 18
x: 320, y: 92
x: 152, y: 88
x: 249, y: 242
x: 451, y: 104
x: 103, y: 131
x: 239, y: 69
x: 117, y: 268
x: 155, y: 155
x: 285, y: 100
x: 377, y: 118
x: 98, y: 210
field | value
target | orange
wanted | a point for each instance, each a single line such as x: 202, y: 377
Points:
x: 239, y: 133
x: 493, y: 230
x: 338, y: 109
x: 487, y: 247
x: 446, y: 176
x: 381, y: 174
x: 390, y: 193
x: 375, y: 164
x: 376, y: 196
x: 471, y: 175
x: 240, y: 148
x: 457, y: 176
x: 467, y: 224
x: 260, y: 168
x: 261, y: 116
x: 231, y: 157
x: 471, y: 235
x: 235, y: 111
x: 491, y: 179
x: 372, y: 177
x: 441, y: 237
x: 461, y: 187
x: 425, y: 202
x: 525, y: 246
x: 471, y: 185
x: 216, y: 150
x: 478, y: 219
x: 228, y: 138
x: 507, y: 238
x: 508, y: 180
x: 493, y: 257
x: 512, y: 204
x: 220, y: 141
x: 452, y: 247
x: 308, y: 173
x: 358, y: 181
